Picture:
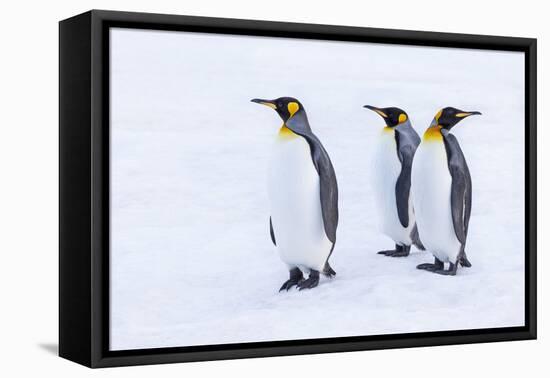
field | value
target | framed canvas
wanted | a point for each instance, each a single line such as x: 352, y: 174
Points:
x: 235, y: 188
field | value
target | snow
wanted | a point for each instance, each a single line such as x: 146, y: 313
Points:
x: 191, y: 258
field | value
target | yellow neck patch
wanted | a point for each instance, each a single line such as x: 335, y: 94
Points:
x: 286, y: 133
x: 387, y: 129
x: 433, y: 134
x: 292, y: 107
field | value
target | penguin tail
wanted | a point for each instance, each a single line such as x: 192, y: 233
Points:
x: 418, y: 244
x: 416, y: 239
x: 328, y: 271
x: 463, y: 261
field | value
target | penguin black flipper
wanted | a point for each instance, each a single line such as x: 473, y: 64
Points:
x: 403, y: 184
x: 271, y: 232
x: 461, y: 189
x: 407, y: 141
x: 328, y: 185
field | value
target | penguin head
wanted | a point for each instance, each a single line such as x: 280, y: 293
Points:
x: 449, y: 116
x: 286, y: 107
x: 392, y: 116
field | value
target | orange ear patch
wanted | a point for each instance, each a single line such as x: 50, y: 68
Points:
x: 402, y: 118
x: 293, y: 107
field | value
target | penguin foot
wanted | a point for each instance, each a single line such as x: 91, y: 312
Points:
x: 439, y: 268
x: 444, y: 272
x: 296, y: 276
x: 399, y: 251
x: 429, y: 267
x: 437, y: 265
x: 449, y: 272
x: 288, y: 285
x: 311, y: 282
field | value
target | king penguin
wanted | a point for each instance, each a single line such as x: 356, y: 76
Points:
x: 442, y: 189
x: 303, y: 195
x: 394, y: 155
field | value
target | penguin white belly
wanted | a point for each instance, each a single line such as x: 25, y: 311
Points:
x: 387, y: 169
x: 431, y: 184
x: 294, y: 193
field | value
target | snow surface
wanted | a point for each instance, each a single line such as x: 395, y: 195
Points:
x: 191, y: 258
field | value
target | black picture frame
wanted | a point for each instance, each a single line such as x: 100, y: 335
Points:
x: 84, y: 188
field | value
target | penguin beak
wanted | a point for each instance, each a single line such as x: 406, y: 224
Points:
x: 462, y: 114
x: 269, y: 103
x: 377, y: 110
